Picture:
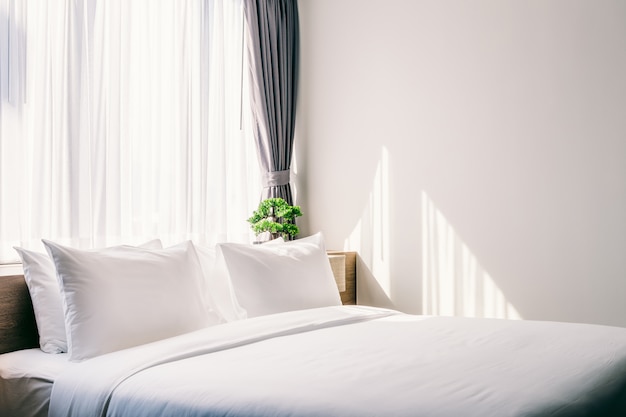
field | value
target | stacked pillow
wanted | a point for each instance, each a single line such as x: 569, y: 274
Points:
x: 40, y: 276
x: 128, y: 296
x: 91, y: 302
x: 269, y: 279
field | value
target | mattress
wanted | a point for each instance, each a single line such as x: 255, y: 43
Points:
x: 26, y: 379
x: 357, y: 361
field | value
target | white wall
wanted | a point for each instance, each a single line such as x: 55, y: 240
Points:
x: 473, y: 152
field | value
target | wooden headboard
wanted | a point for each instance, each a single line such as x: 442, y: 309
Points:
x: 18, y: 329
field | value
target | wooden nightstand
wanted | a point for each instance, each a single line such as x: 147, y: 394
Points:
x: 336, y: 258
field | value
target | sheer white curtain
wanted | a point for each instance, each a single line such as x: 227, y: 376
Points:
x: 121, y: 121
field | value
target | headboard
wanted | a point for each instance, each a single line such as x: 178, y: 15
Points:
x: 18, y: 329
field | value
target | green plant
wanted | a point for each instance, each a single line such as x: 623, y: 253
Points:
x: 277, y: 217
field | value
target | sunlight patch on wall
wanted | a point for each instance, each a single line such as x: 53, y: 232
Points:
x: 370, y: 236
x: 454, y: 282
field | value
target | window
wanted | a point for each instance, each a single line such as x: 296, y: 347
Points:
x: 123, y: 121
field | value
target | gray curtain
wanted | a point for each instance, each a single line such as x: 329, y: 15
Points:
x: 273, y: 42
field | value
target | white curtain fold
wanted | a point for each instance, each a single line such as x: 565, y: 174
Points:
x: 130, y: 126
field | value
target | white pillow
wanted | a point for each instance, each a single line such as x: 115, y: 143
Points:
x: 128, y: 296
x: 44, y: 292
x: 219, y: 287
x: 40, y: 277
x: 271, y: 279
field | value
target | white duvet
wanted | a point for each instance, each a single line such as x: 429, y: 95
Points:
x: 357, y: 361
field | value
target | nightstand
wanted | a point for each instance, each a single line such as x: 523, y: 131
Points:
x: 343, y: 265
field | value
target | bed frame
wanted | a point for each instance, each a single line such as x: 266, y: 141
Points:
x: 18, y: 329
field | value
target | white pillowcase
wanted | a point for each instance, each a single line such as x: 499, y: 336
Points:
x: 270, y: 279
x: 128, y: 296
x: 221, y: 292
x: 40, y: 277
x: 44, y: 292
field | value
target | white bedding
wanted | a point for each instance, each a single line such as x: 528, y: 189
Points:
x: 357, y: 361
x: 26, y: 378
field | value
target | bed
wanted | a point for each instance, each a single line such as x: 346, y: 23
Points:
x: 325, y: 359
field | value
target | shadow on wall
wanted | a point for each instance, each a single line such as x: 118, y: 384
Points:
x: 368, y: 289
x: 370, y: 238
x: 453, y: 281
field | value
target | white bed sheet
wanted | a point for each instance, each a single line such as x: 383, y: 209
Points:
x: 26, y: 378
x: 352, y: 361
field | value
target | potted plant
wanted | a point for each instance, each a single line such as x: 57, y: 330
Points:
x: 275, y: 217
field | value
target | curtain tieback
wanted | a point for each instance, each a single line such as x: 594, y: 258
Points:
x: 276, y: 178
